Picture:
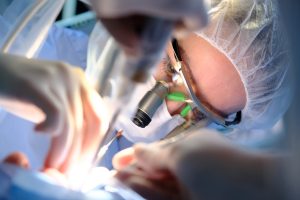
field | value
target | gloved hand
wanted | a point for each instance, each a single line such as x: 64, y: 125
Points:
x: 58, y: 98
x: 201, y: 166
x: 126, y: 19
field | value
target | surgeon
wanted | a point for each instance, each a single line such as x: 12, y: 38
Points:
x: 237, y: 64
x: 204, y: 164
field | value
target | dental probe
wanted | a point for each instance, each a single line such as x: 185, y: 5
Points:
x: 103, y: 150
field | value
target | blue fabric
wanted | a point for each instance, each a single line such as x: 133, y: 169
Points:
x: 17, y: 193
x: 65, y: 45
x: 115, y: 147
x: 17, y: 183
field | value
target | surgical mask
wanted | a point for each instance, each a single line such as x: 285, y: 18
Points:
x: 162, y: 122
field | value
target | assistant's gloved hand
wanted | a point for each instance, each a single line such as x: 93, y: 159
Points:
x: 202, y: 166
x: 126, y: 19
x: 58, y: 98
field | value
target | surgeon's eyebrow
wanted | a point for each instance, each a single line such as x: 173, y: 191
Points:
x: 186, y: 64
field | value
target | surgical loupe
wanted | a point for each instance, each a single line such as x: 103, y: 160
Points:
x: 150, y: 103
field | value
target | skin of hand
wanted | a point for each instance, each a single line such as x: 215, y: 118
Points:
x: 58, y: 98
x: 201, y: 166
x: 166, y: 186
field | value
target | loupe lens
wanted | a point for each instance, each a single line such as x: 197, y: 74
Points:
x: 150, y: 103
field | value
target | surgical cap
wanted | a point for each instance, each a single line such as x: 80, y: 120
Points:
x: 248, y: 32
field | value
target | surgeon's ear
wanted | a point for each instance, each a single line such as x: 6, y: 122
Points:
x: 17, y: 158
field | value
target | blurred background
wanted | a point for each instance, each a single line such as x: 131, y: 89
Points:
x: 76, y: 15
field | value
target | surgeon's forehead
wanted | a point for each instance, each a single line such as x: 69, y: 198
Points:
x: 217, y: 80
x: 189, y: 75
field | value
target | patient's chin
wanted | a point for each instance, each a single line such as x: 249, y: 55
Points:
x: 19, y: 159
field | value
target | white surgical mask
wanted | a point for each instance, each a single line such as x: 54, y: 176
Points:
x: 162, y: 122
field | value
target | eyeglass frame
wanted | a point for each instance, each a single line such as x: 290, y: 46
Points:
x: 215, y: 117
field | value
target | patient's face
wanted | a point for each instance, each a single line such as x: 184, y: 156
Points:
x: 216, y: 79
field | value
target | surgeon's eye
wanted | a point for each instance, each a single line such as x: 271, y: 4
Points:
x: 168, y: 67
